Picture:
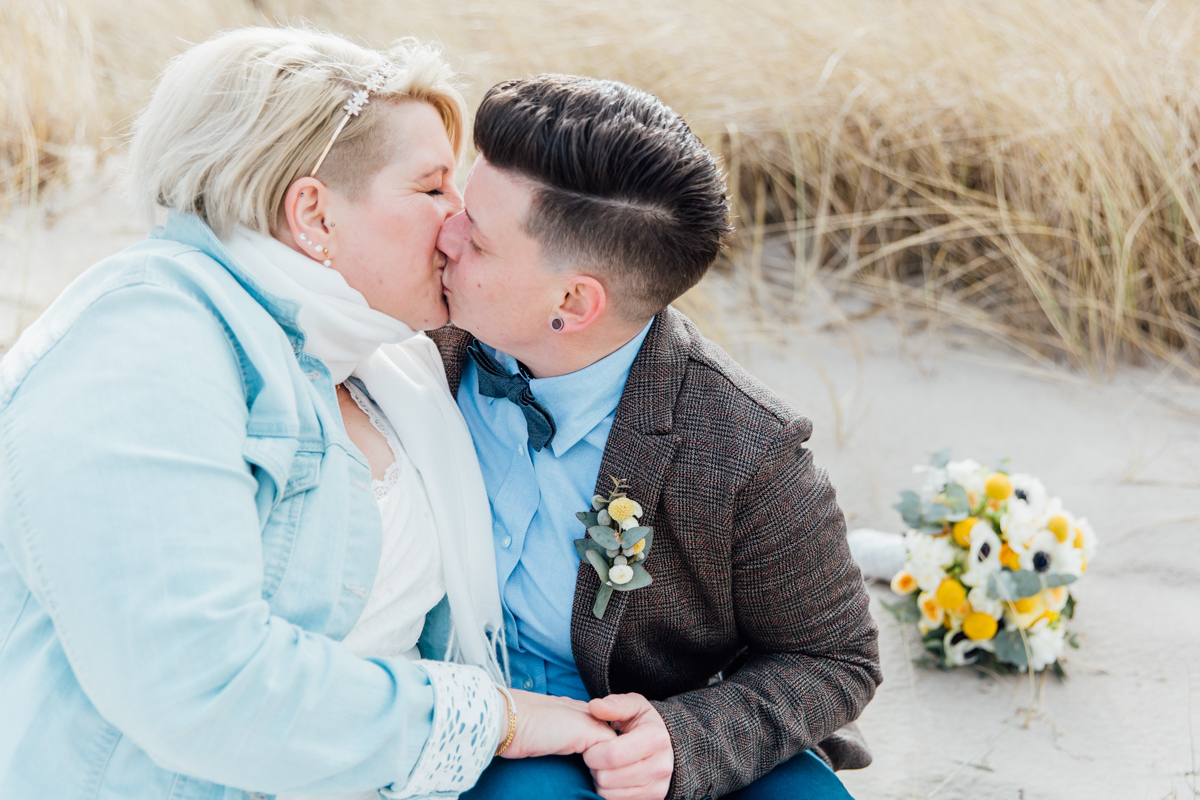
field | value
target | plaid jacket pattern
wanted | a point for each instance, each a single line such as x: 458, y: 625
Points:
x: 752, y: 574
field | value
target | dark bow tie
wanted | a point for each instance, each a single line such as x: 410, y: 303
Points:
x: 495, y: 381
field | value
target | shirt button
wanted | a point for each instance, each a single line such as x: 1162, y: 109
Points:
x: 506, y: 542
x: 529, y: 684
x: 312, y: 376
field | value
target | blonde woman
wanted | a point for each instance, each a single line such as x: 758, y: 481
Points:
x: 234, y: 480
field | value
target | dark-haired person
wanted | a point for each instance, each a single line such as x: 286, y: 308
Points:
x: 591, y: 208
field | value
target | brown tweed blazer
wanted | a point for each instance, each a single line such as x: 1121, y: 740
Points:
x: 752, y: 574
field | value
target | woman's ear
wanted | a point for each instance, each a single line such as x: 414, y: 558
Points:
x: 582, y: 304
x: 306, y: 230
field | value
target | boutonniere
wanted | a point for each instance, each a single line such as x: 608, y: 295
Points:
x: 615, y: 545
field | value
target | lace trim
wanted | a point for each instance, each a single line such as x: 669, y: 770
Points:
x: 467, y: 715
x: 391, y: 475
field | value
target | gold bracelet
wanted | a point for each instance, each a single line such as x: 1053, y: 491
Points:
x: 512, y: 720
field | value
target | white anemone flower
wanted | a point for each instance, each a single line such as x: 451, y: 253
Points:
x: 1029, y: 491
x: 1046, y: 555
x: 1045, y: 645
x: 960, y: 648
x: 984, y: 558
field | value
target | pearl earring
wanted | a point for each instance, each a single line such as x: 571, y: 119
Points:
x: 303, y: 238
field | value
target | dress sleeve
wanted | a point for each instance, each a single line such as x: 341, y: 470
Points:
x: 467, y: 716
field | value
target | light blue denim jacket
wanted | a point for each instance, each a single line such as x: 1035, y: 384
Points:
x: 185, y: 532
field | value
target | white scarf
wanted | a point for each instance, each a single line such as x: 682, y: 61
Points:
x: 403, y: 372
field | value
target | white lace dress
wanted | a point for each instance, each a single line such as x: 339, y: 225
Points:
x: 407, y: 586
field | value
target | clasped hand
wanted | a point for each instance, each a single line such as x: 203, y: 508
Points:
x: 635, y: 765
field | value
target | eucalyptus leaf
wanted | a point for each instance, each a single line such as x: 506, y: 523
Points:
x: 640, y: 578
x: 910, y: 509
x: 599, y: 502
x: 905, y: 610
x: 941, y: 458
x: 1009, y: 647
x: 583, y: 545
x: 957, y: 499
x: 598, y: 561
x: 588, y: 518
x: 604, y: 535
x: 935, y: 512
x: 602, y: 598
x: 1063, y: 579
x: 634, y: 535
x: 1009, y: 586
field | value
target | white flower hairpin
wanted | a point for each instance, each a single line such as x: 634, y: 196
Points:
x: 354, y: 106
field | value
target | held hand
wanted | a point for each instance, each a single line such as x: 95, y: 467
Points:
x: 638, y: 764
x: 549, y: 726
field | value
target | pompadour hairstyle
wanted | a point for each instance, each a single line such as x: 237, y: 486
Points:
x: 623, y: 188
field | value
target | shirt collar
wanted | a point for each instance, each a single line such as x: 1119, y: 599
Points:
x: 580, y: 400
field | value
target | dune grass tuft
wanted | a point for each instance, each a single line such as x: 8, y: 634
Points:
x: 1024, y: 168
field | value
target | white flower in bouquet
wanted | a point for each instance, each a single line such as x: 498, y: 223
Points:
x: 984, y: 603
x: 1046, y: 555
x: 1029, y: 492
x: 928, y: 559
x: 1045, y: 645
x: 932, y: 613
x: 1056, y: 598
x: 961, y: 649
x: 984, y: 557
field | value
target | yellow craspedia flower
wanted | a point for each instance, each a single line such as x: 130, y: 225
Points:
x: 621, y: 509
x: 951, y: 594
x: 979, y: 626
x: 1059, y: 526
x: 998, y: 486
x: 1009, y: 558
x: 903, y: 582
x: 639, y: 547
x: 962, y: 531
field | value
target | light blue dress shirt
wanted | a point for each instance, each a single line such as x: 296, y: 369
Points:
x: 535, y: 496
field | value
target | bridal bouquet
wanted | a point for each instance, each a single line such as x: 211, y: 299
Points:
x: 990, y: 562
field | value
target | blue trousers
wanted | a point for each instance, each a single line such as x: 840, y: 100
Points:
x: 805, y: 777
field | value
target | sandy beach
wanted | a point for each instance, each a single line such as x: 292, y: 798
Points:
x: 1123, y: 451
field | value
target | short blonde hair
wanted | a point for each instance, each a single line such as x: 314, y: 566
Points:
x: 236, y: 119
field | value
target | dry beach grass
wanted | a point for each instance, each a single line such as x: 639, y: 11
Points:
x: 1023, y: 168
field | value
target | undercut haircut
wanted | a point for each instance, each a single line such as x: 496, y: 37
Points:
x: 622, y: 187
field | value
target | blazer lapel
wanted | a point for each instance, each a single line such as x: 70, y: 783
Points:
x: 639, y: 450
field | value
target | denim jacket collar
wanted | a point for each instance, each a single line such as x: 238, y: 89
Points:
x: 191, y: 230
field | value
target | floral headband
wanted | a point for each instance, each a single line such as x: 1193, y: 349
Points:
x: 355, y: 104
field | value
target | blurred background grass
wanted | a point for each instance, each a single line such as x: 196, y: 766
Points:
x: 1023, y: 168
